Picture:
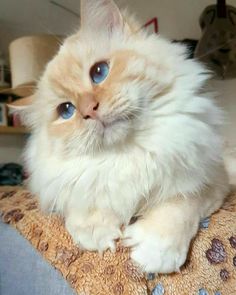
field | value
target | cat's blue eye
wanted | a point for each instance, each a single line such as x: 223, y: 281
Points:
x: 99, y: 72
x: 66, y: 110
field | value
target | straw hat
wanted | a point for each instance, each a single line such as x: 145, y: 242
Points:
x: 28, y: 58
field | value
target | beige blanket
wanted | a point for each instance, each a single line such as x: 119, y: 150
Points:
x: 210, y: 269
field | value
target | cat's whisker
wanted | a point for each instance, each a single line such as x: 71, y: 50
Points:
x: 51, y: 210
x: 87, y: 138
x: 135, y: 112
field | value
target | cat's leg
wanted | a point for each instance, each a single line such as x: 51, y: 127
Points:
x: 94, y: 230
x: 160, y: 239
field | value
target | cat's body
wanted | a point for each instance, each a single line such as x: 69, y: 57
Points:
x: 142, y: 142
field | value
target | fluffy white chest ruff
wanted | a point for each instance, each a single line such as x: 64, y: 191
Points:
x: 115, y: 181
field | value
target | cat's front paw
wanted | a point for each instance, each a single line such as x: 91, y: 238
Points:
x: 95, y: 238
x: 156, y: 252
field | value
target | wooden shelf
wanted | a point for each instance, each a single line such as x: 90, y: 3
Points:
x: 4, y: 89
x: 13, y: 130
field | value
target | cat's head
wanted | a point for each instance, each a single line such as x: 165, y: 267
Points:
x: 103, y: 83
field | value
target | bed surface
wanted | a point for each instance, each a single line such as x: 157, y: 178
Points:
x: 36, y: 263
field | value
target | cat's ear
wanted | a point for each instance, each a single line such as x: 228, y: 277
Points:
x: 24, y: 108
x: 21, y: 105
x: 101, y: 16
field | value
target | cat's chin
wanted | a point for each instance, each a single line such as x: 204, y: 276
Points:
x: 114, y: 132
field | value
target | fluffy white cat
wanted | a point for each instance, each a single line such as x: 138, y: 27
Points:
x: 121, y: 127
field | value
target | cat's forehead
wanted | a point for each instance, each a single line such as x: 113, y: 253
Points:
x: 87, y: 48
x: 69, y: 72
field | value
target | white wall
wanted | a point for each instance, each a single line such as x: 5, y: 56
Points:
x: 178, y: 19
x: 26, y: 17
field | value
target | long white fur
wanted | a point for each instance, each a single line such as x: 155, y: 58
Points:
x: 171, y: 151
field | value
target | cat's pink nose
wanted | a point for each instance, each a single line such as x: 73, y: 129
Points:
x: 89, y: 109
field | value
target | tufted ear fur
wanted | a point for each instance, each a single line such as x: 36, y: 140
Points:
x: 21, y: 105
x: 101, y: 16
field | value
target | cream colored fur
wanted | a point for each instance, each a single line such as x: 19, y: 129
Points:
x: 159, y: 155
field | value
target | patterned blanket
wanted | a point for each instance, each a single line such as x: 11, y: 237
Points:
x: 210, y: 268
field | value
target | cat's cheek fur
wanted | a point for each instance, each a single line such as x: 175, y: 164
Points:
x: 116, y: 134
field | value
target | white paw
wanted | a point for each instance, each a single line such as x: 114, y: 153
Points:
x: 95, y: 238
x: 155, y: 252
